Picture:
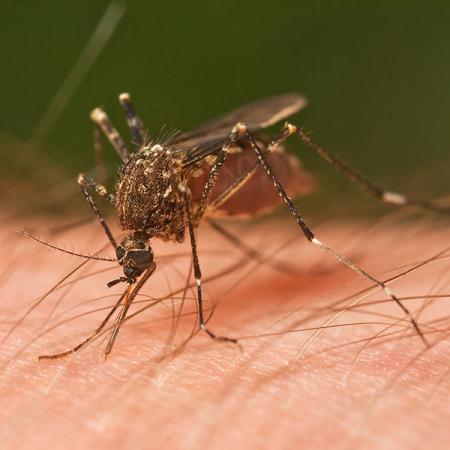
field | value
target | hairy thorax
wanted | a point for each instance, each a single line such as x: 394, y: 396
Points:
x: 148, y: 199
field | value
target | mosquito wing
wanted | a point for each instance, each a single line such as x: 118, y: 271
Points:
x: 208, y: 137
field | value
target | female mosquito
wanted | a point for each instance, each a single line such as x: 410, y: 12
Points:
x: 167, y: 187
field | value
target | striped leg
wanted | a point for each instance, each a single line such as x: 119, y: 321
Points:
x: 242, y: 130
x: 381, y: 194
x: 198, y: 275
x: 135, y: 123
x: 101, y: 119
x: 87, y: 184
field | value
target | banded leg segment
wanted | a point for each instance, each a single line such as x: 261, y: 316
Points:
x: 385, y: 196
x: 238, y: 184
x: 209, y: 185
x: 86, y: 184
x: 233, y: 189
x: 135, y: 123
x: 101, y: 119
x: 98, y: 154
x: 89, y: 183
x: 198, y: 274
x: 310, y: 235
x: 212, y: 178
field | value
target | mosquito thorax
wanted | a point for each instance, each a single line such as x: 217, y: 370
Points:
x: 147, y: 195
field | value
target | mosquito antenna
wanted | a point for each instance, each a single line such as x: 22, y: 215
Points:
x: 62, y: 250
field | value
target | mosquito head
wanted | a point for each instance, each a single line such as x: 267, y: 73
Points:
x: 135, y: 255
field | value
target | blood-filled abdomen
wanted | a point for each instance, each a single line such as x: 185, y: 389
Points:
x: 258, y: 195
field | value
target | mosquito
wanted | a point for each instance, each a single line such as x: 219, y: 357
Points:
x: 168, y: 186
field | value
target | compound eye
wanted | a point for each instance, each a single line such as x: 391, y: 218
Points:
x: 120, y: 252
x: 140, y: 257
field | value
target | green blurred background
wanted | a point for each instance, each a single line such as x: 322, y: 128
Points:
x: 377, y: 75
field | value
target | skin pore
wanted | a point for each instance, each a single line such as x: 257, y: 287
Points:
x: 324, y: 363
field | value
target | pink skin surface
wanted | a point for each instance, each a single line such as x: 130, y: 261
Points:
x: 322, y: 365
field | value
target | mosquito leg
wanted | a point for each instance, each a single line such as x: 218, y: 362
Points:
x: 203, y: 204
x: 240, y: 182
x: 242, y: 130
x: 198, y: 275
x: 209, y: 185
x: 91, y: 184
x: 87, y: 183
x: 206, y: 206
x: 383, y: 195
x: 134, y: 122
x: 98, y: 154
x: 231, y: 190
x: 101, y: 119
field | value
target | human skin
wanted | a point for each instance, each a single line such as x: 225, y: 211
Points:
x: 348, y: 389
